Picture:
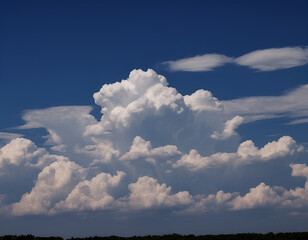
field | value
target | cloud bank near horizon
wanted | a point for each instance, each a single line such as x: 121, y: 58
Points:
x: 149, y: 136
x: 262, y: 60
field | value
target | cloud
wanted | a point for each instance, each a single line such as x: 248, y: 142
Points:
x: 202, y: 100
x: 143, y: 105
x: 103, y: 164
x: 65, y: 124
x: 230, y: 126
x: 19, y: 151
x: 298, y: 197
x: 23, y: 152
x: 263, y: 60
x: 274, y: 58
x: 260, y: 196
x: 91, y: 194
x: 212, y: 202
x: 9, y: 136
x: 53, y: 184
x: 206, y: 62
x: 148, y: 193
x: 247, y: 153
x: 291, y: 105
x: 102, y: 151
x: 143, y: 149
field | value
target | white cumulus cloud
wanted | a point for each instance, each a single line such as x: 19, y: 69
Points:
x: 143, y: 149
x: 148, y: 193
x: 53, y: 184
x: 91, y: 194
x: 246, y: 153
x: 103, y: 164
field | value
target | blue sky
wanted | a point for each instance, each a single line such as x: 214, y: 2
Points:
x: 212, y: 139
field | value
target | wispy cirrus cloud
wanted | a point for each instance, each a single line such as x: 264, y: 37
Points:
x: 263, y: 60
x: 291, y: 105
x: 206, y: 62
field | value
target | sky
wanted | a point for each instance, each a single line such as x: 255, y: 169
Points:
x: 153, y: 117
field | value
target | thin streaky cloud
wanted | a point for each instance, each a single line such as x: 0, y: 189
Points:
x: 291, y: 105
x: 262, y: 60
x: 203, y: 63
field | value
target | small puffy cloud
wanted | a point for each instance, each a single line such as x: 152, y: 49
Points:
x: 102, y: 151
x: 230, y: 126
x: 148, y: 193
x: 284, y: 146
x: 260, y: 196
x: 23, y: 152
x: 143, y: 149
x: 202, y: 100
x: 298, y: 197
x: 247, y: 153
x: 194, y: 161
x: 54, y: 183
x: 299, y: 170
x: 91, y: 194
x: 206, y: 62
x: 19, y: 151
x: 274, y: 58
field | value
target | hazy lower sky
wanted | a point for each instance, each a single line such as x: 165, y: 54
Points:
x: 153, y: 117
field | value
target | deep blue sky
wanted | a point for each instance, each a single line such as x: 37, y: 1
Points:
x: 58, y: 53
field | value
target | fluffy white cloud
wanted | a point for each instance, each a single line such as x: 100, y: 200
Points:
x: 19, y: 151
x: 206, y: 62
x: 143, y: 105
x: 148, y: 193
x: 247, y: 153
x: 102, y: 151
x: 260, y: 196
x: 202, y: 100
x: 142, y: 94
x: 54, y: 183
x: 292, y: 105
x: 23, y: 152
x: 298, y: 197
x: 274, y: 58
x: 143, y: 149
x: 230, y: 126
x: 91, y: 194
x: 145, y: 119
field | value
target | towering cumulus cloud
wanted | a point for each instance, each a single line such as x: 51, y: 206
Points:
x: 152, y: 148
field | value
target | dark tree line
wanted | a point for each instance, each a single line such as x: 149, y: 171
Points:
x: 240, y: 236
